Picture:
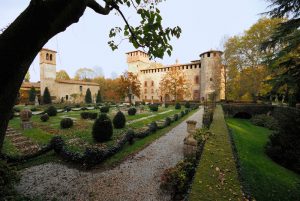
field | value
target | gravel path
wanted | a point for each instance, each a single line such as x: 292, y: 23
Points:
x: 136, y: 179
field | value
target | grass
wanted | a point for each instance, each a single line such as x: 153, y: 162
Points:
x: 265, y: 179
x: 217, y: 159
x: 79, y: 136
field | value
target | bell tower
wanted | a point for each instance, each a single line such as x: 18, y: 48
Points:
x: 47, y: 70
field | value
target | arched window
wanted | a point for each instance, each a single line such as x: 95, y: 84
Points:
x: 152, y: 83
x: 145, y: 83
x: 47, y: 56
x: 196, y: 79
x: 50, y: 57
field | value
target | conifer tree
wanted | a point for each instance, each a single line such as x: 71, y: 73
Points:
x: 88, y: 96
x: 99, y: 97
x: 32, y: 94
x: 47, y: 96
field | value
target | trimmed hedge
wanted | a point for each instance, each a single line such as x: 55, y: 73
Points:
x: 153, y: 107
x: 265, y: 121
x: 177, y: 106
x: 119, y: 120
x: 51, y: 111
x: 102, y: 129
x: 132, y: 111
x: 66, y: 123
x: 104, y: 109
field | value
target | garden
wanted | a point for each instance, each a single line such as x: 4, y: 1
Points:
x: 106, y: 127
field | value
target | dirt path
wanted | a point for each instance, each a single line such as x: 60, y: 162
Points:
x: 136, y: 179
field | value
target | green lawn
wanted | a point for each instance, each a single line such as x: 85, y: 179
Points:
x: 266, y: 179
x: 216, y: 176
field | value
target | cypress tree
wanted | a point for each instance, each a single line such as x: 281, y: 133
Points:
x: 99, y: 97
x: 32, y: 94
x: 88, y: 96
x: 46, y: 96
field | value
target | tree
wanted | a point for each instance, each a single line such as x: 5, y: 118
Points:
x: 244, y: 59
x: 174, y: 83
x: 47, y: 96
x: 85, y: 74
x: 99, y: 97
x: 27, y: 77
x: 285, y: 63
x: 32, y: 94
x: 129, y: 85
x: 88, y: 96
x: 62, y: 75
x: 42, y: 20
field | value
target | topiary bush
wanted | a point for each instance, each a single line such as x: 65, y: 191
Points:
x: 177, y: 106
x: 119, y: 120
x: 8, y: 178
x: 66, y: 123
x: 44, y: 117
x: 175, y: 117
x: 153, y: 127
x: 67, y: 108
x: 84, y: 115
x: 33, y: 109
x: 187, y: 105
x: 168, y: 121
x: 153, y: 107
x: 102, y: 129
x: 104, y: 109
x: 132, y: 111
x: 51, y: 111
x: 93, y: 115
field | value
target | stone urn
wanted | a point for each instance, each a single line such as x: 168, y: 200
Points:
x: 25, y: 116
x: 190, y: 143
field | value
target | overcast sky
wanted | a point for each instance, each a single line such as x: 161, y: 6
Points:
x: 204, y: 24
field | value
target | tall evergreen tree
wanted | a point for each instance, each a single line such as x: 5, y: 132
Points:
x: 99, y: 97
x: 32, y: 94
x: 88, y: 96
x: 47, y: 96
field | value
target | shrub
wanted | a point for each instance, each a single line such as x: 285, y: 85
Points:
x: 187, y: 105
x: 46, y: 96
x: 88, y: 96
x: 168, y: 121
x: 207, y: 118
x: 77, y: 106
x: 93, y: 115
x: 66, y: 123
x: 119, y: 120
x: 177, y: 106
x: 175, y: 117
x: 67, y: 108
x: 51, y: 111
x: 102, y: 129
x: 44, y: 117
x: 153, y: 126
x: 8, y: 177
x: 132, y: 111
x: 99, y: 97
x: 32, y: 94
x: 153, y: 107
x: 182, y: 113
x: 33, y: 109
x: 84, y: 115
x: 265, y: 121
x: 104, y: 109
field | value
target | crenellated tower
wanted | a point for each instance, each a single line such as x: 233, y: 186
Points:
x: 137, y: 60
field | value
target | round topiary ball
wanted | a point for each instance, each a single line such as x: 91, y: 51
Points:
x: 104, y: 109
x: 84, y: 115
x: 132, y: 111
x: 187, y: 105
x: 51, y: 111
x: 44, y: 117
x: 177, y: 106
x: 119, y: 120
x: 175, y: 117
x: 102, y: 129
x: 66, y: 123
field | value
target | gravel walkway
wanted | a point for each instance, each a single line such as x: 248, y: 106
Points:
x: 136, y: 179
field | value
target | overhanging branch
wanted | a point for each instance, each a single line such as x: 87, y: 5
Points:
x: 98, y: 8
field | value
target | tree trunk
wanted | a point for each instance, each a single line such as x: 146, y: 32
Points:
x: 22, y: 41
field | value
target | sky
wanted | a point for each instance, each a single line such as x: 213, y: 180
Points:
x: 204, y: 25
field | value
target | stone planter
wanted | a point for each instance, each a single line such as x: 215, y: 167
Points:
x: 25, y: 116
x: 190, y: 144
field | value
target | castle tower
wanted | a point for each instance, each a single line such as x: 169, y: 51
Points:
x: 48, y: 70
x: 211, y: 74
x: 137, y: 60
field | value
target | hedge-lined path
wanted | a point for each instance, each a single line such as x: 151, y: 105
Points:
x: 22, y: 143
x: 136, y: 179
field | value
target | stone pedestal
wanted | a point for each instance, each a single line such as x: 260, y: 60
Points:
x: 190, y: 144
x: 26, y: 125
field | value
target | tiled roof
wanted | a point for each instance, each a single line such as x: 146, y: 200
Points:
x: 77, y: 82
x: 30, y: 84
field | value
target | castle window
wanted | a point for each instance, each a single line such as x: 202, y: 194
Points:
x: 211, y: 79
x: 208, y: 54
x: 145, y: 91
x: 145, y: 97
x: 186, y: 67
x: 191, y: 67
x: 80, y: 89
x: 50, y: 57
x: 47, y: 56
x: 196, y: 79
x: 152, y: 83
x: 215, y: 54
x: 182, y: 67
x: 145, y: 83
x: 195, y: 66
x: 67, y: 97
